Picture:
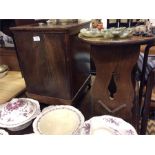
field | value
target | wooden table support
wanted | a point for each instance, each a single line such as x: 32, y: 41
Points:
x: 115, y: 90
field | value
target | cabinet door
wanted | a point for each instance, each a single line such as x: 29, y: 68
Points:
x: 42, y: 59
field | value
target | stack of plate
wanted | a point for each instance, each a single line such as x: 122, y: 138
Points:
x: 3, y: 70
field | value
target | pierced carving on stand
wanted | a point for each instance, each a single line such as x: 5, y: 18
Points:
x: 112, y: 87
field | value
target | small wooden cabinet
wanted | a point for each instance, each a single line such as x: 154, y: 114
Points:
x: 54, y: 62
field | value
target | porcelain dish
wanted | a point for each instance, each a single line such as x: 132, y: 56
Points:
x: 3, y: 74
x: 3, y: 68
x: 112, y: 33
x: 107, y: 125
x: 91, y: 32
x: 58, y: 120
x: 18, y: 113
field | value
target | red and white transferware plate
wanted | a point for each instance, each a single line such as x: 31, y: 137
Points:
x: 107, y: 125
x: 58, y: 120
x: 17, y: 114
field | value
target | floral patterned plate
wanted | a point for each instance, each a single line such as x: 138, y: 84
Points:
x: 18, y: 113
x: 107, y: 125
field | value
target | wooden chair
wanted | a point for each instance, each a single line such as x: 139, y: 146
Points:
x: 148, y: 101
x: 146, y: 94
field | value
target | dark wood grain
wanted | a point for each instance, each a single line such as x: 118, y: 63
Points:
x: 53, y: 28
x: 53, y: 66
x: 120, y: 62
x: 139, y: 40
x: 113, y: 91
x: 8, y: 56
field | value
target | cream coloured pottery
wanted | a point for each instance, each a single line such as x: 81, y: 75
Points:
x: 112, y: 33
x: 58, y: 120
x: 3, y: 68
x: 3, y: 74
x: 91, y: 33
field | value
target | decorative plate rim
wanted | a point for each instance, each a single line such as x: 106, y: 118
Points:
x: 36, y: 111
x: 55, y: 107
x: 85, y: 129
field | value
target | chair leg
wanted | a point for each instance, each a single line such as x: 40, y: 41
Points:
x: 146, y: 53
x: 147, y: 102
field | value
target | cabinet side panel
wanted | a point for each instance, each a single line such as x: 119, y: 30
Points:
x: 57, y: 62
x: 80, y: 62
x: 43, y: 63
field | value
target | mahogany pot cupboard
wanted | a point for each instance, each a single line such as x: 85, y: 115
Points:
x: 54, y: 62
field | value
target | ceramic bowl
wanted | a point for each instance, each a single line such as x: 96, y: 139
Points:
x: 58, y: 120
x: 3, y: 74
x: 92, y: 33
x: 107, y: 34
x: 18, y: 113
x: 116, y: 32
x: 127, y: 33
x: 106, y: 125
x: 3, y: 68
x: 140, y: 28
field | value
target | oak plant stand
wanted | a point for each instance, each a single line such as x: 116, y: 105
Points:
x: 115, y: 91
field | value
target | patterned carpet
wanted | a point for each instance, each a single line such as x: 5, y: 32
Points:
x: 151, y: 127
x: 151, y: 122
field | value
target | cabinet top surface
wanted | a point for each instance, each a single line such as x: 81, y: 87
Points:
x: 50, y: 27
x: 133, y: 40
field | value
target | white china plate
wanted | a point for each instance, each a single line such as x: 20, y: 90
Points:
x: 107, y: 125
x: 90, y: 33
x: 58, y: 120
